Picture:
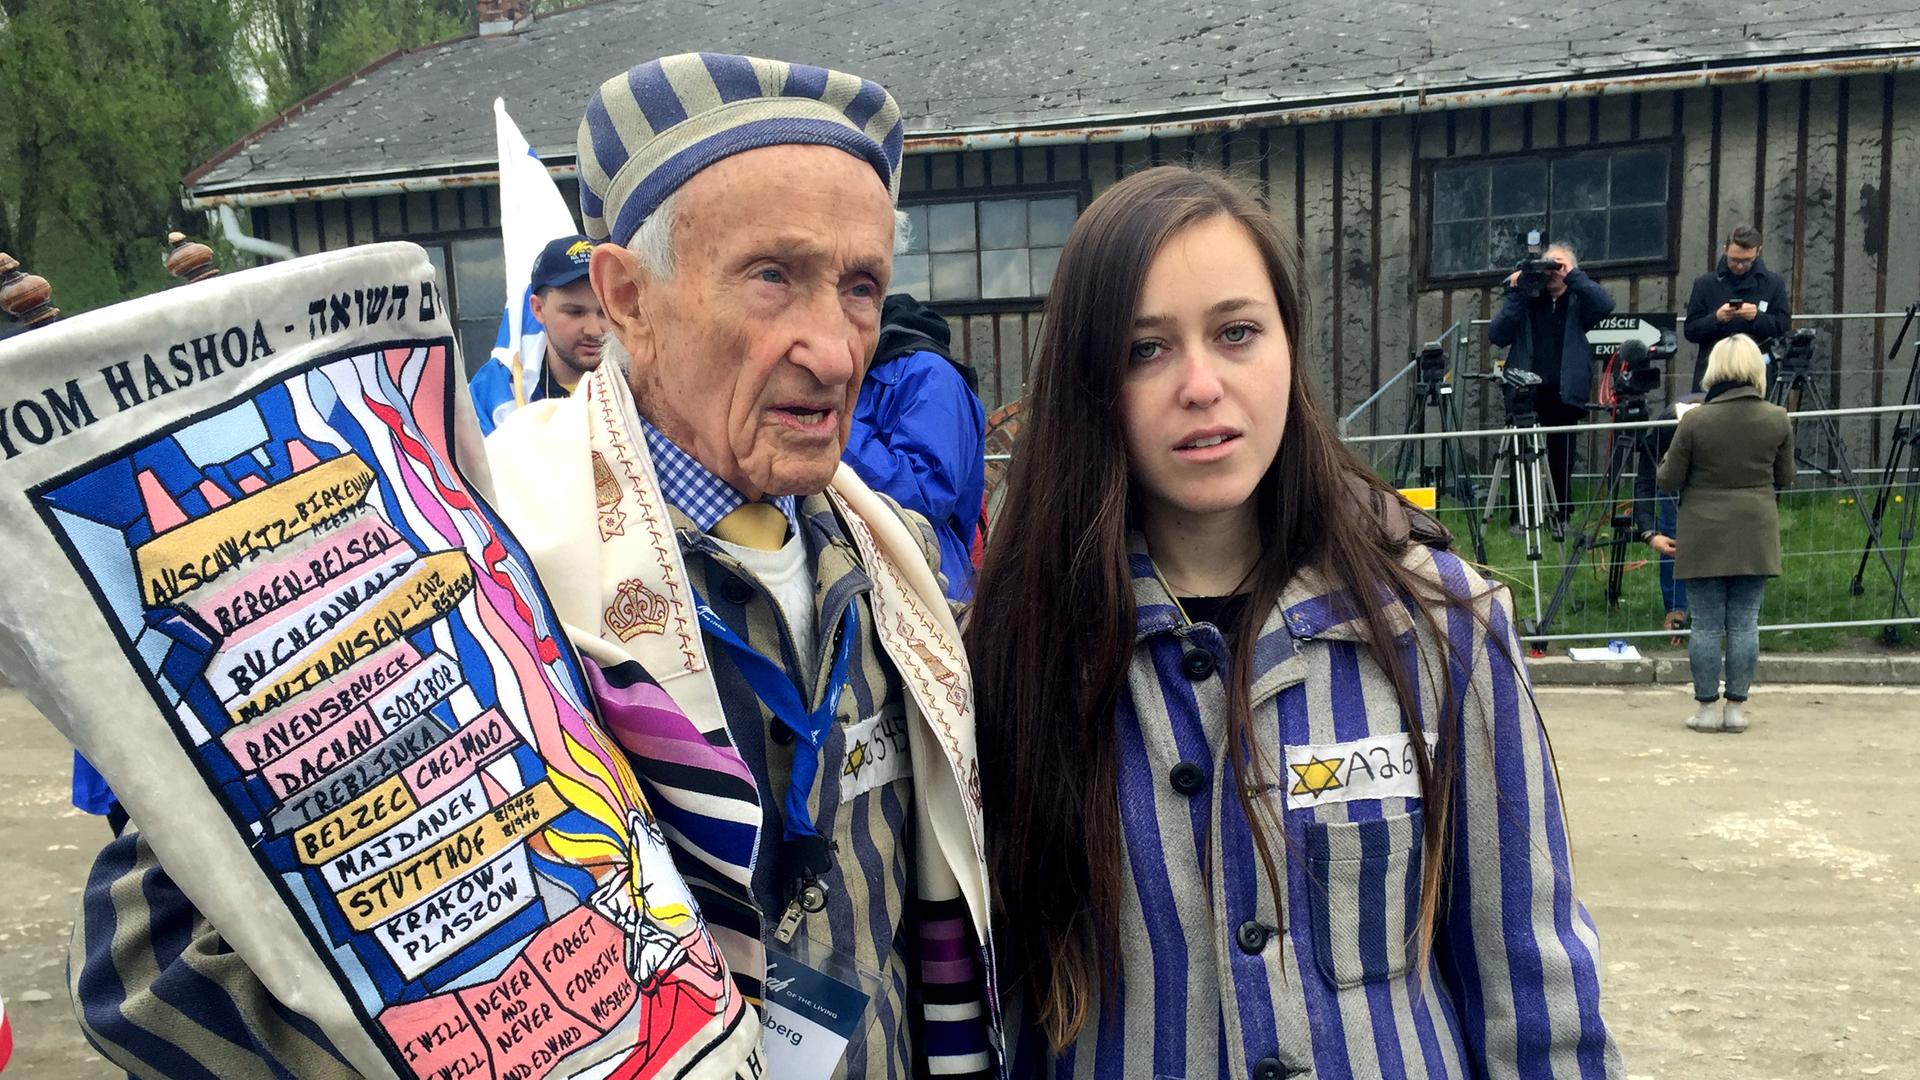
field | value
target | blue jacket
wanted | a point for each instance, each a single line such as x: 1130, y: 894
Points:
x: 1589, y: 303
x: 918, y: 436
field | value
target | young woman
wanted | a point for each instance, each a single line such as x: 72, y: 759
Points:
x: 1266, y: 793
x: 1728, y: 457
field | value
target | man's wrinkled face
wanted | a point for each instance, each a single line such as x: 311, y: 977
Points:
x: 750, y: 356
x: 1740, y: 259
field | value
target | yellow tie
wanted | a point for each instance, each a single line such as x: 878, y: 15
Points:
x: 756, y: 525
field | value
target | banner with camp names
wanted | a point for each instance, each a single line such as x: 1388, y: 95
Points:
x: 255, y: 586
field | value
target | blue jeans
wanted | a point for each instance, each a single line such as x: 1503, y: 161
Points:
x: 1673, y: 591
x: 1724, y: 608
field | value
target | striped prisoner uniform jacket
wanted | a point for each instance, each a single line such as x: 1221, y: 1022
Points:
x: 932, y: 1002
x: 162, y: 996
x: 1220, y: 978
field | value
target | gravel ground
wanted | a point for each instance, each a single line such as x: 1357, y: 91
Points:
x: 1758, y: 895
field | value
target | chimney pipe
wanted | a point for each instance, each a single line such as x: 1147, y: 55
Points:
x: 503, y: 16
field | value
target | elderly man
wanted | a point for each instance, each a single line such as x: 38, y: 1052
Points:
x: 814, y: 770
x: 689, y: 513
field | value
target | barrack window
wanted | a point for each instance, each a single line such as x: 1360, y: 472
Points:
x: 984, y: 249
x: 1612, y: 204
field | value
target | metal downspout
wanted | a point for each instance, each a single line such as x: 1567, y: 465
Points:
x: 252, y: 245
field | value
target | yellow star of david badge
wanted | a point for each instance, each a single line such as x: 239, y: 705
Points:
x: 1316, y: 775
x: 856, y: 759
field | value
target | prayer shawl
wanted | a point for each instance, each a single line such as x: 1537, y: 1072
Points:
x: 260, y: 587
x: 574, y: 478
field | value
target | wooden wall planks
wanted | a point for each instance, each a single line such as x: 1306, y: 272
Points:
x: 1821, y: 259
x: 1736, y: 197
x: 1395, y: 316
x: 1861, y: 235
x: 1837, y: 200
x: 1321, y: 245
x: 1356, y: 343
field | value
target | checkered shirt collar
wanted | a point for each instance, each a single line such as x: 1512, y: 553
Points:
x: 696, y: 492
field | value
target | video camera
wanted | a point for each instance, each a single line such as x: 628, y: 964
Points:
x: 1509, y: 377
x: 1631, y: 375
x: 1793, y: 351
x: 1519, y: 386
x: 1632, y: 372
x: 1535, y: 267
x: 1431, y: 362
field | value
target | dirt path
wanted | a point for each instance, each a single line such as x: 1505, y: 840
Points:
x: 45, y: 848
x: 1758, y: 896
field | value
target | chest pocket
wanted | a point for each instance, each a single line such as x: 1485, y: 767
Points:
x: 1364, y: 897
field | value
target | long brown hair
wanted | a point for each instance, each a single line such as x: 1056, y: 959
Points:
x: 1051, y: 633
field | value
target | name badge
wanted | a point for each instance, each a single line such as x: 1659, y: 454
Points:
x: 1762, y: 305
x: 812, y: 1009
x: 1382, y: 767
x: 877, y: 753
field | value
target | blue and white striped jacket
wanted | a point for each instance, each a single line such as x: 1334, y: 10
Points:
x: 1219, y: 979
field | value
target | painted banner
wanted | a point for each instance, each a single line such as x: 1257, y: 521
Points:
x: 317, y: 668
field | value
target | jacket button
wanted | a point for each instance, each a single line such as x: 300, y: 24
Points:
x: 1269, y: 1068
x: 780, y: 733
x: 1197, y: 664
x: 1252, y: 937
x: 736, y: 590
x: 1187, y: 778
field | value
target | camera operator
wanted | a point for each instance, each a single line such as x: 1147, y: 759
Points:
x: 1739, y: 296
x: 1656, y: 515
x: 1545, y: 318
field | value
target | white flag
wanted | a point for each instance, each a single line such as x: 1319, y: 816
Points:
x: 532, y: 214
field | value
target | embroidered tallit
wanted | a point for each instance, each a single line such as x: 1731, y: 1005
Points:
x: 575, y: 479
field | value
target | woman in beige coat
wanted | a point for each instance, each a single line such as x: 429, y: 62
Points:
x: 1729, y: 456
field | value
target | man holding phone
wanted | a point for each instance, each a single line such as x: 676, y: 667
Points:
x: 1739, y: 296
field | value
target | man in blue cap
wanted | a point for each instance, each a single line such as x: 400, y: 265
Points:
x: 573, y: 325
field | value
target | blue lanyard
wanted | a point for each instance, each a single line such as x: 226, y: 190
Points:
x: 778, y: 693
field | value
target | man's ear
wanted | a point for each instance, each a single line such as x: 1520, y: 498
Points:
x: 621, y: 284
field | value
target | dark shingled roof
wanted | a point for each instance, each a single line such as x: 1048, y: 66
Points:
x: 1012, y: 64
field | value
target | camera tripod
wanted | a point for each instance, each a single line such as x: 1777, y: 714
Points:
x: 1903, y: 455
x: 1794, y: 388
x: 1521, y: 460
x: 1629, y: 449
x: 1449, y: 474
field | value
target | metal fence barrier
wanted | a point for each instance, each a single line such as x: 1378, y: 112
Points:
x: 1846, y: 531
x: 1845, y: 481
x: 1847, y: 524
x: 1460, y: 340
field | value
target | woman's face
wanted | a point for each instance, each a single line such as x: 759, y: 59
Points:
x: 1203, y: 399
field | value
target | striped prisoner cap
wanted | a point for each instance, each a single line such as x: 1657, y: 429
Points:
x: 648, y: 131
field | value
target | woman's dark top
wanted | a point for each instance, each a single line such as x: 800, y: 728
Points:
x: 1222, y: 611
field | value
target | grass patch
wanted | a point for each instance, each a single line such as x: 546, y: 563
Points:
x: 1821, y: 535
